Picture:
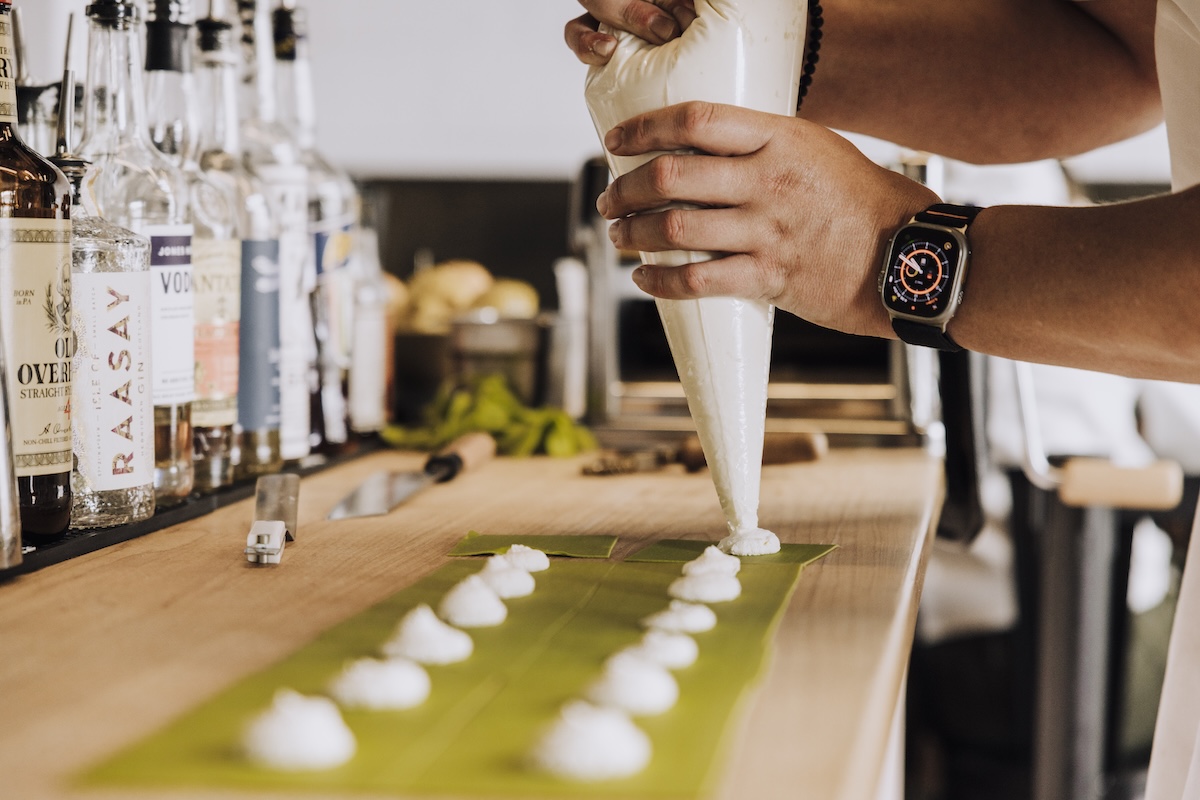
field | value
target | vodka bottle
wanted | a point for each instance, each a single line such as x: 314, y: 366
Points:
x: 333, y: 204
x: 216, y: 250
x: 220, y: 159
x: 137, y: 187
x: 35, y: 315
x: 271, y: 155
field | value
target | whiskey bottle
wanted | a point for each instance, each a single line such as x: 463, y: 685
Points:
x: 137, y: 187
x: 112, y: 481
x: 256, y: 445
x: 216, y: 250
x: 35, y: 314
x: 271, y: 155
x: 333, y: 204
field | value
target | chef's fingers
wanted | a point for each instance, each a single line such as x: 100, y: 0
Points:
x: 589, y: 45
x: 715, y: 229
x: 684, y: 11
x: 639, y: 17
x: 681, y: 178
x: 709, y: 127
x: 733, y: 276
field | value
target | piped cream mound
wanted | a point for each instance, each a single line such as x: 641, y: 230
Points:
x: 681, y: 617
x: 425, y: 639
x: 381, y: 685
x: 506, y: 579
x: 635, y: 685
x: 666, y: 648
x: 299, y: 733
x: 710, y: 587
x: 588, y: 743
x: 713, y: 561
x: 471, y: 603
x: 527, y: 558
x: 751, y: 541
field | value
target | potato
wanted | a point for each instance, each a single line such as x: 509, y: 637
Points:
x: 513, y: 299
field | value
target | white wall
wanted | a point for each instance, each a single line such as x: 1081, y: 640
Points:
x: 464, y: 89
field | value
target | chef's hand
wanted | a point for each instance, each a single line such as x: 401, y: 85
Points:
x: 656, y: 22
x: 800, y: 216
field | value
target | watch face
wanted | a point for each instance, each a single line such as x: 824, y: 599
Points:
x: 919, y: 280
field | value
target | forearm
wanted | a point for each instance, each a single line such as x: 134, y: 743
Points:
x: 990, y: 81
x: 1110, y: 288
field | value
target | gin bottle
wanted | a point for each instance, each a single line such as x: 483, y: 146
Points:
x: 216, y: 250
x: 271, y: 155
x: 137, y: 187
x: 35, y: 314
x: 112, y: 480
x: 333, y: 205
x: 256, y: 445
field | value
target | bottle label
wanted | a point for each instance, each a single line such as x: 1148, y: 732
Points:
x: 114, y: 415
x: 8, y: 73
x: 172, y: 313
x: 258, y: 392
x: 35, y: 321
x: 217, y: 264
x: 297, y: 279
x: 333, y: 250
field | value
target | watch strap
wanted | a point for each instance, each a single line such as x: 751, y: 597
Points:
x: 948, y: 214
x: 924, y: 335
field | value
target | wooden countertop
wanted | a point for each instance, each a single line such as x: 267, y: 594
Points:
x: 104, y: 649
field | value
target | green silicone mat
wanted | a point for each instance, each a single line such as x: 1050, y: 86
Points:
x: 584, y: 546
x: 676, y: 551
x: 473, y: 733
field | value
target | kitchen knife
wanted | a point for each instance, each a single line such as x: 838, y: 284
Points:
x: 778, y: 448
x: 384, y: 490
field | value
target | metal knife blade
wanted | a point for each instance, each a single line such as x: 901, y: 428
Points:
x: 382, y: 491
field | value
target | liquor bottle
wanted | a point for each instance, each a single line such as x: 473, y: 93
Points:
x: 370, y: 351
x: 220, y: 158
x: 216, y: 250
x: 112, y: 481
x: 35, y: 314
x: 137, y: 187
x: 333, y: 204
x: 273, y: 157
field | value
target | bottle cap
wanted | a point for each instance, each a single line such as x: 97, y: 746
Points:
x: 213, y: 35
x: 113, y: 12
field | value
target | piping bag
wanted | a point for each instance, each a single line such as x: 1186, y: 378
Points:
x: 737, y: 52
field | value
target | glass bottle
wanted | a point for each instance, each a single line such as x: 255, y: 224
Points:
x: 370, y: 352
x: 333, y: 204
x: 35, y: 314
x: 256, y: 449
x: 216, y: 250
x: 112, y: 480
x: 137, y: 187
x: 273, y: 157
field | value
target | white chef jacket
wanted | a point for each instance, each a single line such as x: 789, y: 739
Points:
x: 1175, y: 760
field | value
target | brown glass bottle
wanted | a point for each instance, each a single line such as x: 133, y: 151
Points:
x: 35, y: 311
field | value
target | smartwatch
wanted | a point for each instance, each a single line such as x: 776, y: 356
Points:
x: 921, y: 283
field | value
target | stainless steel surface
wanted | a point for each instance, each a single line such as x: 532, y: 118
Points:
x: 10, y: 512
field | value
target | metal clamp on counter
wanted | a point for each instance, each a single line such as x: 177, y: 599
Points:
x: 275, y: 501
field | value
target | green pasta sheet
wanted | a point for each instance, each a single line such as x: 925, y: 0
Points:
x: 575, y: 546
x: 475, y: 732
x: 675, y: 551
